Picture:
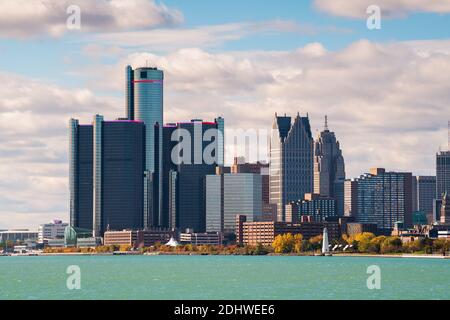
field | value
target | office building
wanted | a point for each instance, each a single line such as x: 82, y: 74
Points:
x: 425, y: 194
x: 291, y: 161
x: 80, y: 174
x: 200, y: 239
x: 329, y: 168
x: 442, y: 173
x: 138, y: 238
x: 117, y: 184
x: 265, y: 232
x: 230, y: 194
x: 196, y: 149
x: 317, y: 206
x: 144, y: 102
x: 353, y: 228
x: 445, y: 209
x: 51, y: 231
x: 350, y: 198
x: 385, y: 198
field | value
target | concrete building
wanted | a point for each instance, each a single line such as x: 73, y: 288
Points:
x: 445, y: 209
x: 329, y: 168
x: 265, y: 232
x: 51, y: 231
x: 442, y: 173
x: 138, y: 238
x: 291, y: 161
x: 350, y: 198
x: 353, y: 228
x: 15, y: 235
x: 317, y: 206
x: 385, y: 198
x: 199, y: 239
x: 230, y: 194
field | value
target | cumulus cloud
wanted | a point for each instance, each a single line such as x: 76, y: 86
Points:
x: 387, y: 103
x: 33, y: 154
x: 25, y: 18
x: 390, y: 8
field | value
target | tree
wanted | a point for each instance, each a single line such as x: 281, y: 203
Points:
x: 391, y: 244
x: 298, y: 241
x: 284, y: 243
x: 316, y: 242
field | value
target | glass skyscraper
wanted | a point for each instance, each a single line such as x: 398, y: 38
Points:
x: 291, y: 161
x: 144, y: 102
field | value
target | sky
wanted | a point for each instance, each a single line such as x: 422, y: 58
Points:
x: 386, y: 91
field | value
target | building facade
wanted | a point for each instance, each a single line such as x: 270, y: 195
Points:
x: 230, y: 194
x: 80, y: 174
x: 144, y: 102
x: 385, y: 198
x: 442, y: 173
x: 119, y: 158
x: 291, y: 161
x: 425, y: 194
x: 350, y: 198
x: 329, y: 168
x: 138, y: 238
x: 52, y: 230
x: 317, y: 206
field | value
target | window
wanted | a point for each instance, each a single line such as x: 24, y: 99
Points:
x: 143, y: 74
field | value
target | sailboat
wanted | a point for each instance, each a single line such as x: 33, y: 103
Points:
x: 325, y: 243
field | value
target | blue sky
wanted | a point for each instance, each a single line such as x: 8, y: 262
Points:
x: 386, y: 92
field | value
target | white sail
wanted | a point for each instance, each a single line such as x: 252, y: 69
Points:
x: 325, y: 244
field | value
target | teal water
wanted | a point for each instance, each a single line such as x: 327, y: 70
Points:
x: 222, y: 277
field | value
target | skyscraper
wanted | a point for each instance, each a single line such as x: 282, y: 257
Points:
x: 230, y: 194
x: 119, y: 157
x: 291, y: 161
x: 350, y: 198
x: 186, y: 164
x: 385, y: 198
x: 426, y: 193
x: 329, y: 168
x: 442, y: 173
x: 80, y: 174
x: 144, y: 102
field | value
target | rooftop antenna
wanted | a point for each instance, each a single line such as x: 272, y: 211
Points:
x: 326, y: 123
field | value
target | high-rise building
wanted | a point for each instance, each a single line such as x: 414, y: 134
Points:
x: 329, y: 168
x: 230, y: 194
x: 442, y: 173
x: 425, y: 194
x: 192, y: 150
x: 445, y: 209
x: 144, y: 102
x: 80, y: 174
x: 350, y: 198
x: 291, y: 161
x: 119, y: 158
x: 385, y: 198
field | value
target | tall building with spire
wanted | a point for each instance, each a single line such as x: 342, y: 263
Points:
x: 291, y: 161
x: 329, y: 168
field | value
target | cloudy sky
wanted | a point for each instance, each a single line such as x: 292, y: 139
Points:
x: 386, y: 92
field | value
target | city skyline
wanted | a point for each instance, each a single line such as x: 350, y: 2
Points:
x: 326, y: 64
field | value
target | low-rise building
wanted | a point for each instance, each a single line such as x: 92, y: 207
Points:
x: 51, y: 231
x: 15, y: 235
x: 206, y: 238
x: 353, y: 228
x: 265, y: 232
x: 138, y: 238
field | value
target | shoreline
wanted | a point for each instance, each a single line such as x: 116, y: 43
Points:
x: 363, y: 255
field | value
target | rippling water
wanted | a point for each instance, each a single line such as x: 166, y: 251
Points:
x: 222, y: 277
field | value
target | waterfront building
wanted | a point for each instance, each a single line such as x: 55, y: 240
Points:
x: 315, y: 205
x: 385, y: 198
x: 203, y: 238
x: 80, y: 174
x: 138, y: 238
x: 442, y: 173
x: 425, y: 194
x: 195, y: 149
x: 445, y: 209
x: 144, y: 102
x: 329, y: 168
x: 15, y: 235
x: 265, y: 232
x: 291, y: 161
x: 350, y: 198
x: 51, y: 231
x: 230, y: 194
x: 353, y: 228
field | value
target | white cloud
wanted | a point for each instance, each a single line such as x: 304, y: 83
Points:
x: 390, y: 8
x: 25, y: 18
x: 387, y: 103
